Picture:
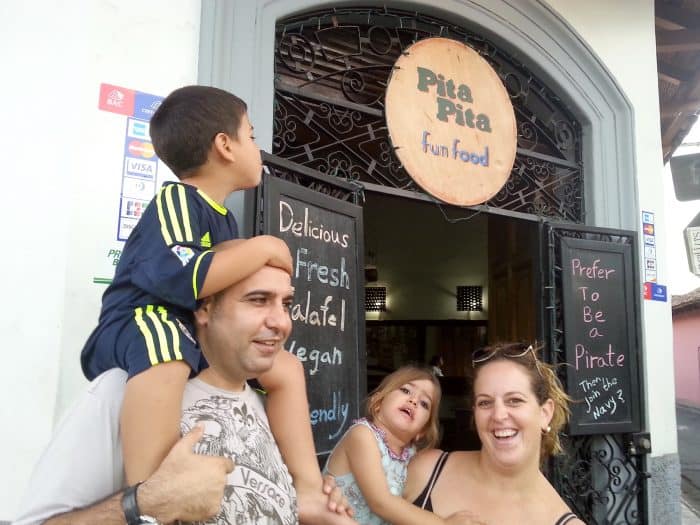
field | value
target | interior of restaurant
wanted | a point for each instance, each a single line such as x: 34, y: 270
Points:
x: 444, y: 281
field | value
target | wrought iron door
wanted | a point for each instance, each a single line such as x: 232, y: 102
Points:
x: 331, y: 69
x: 601, y: 476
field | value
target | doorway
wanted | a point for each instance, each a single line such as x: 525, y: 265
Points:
x: 421, y: 253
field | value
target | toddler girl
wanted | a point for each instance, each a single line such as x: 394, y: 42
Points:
x: 369, y: 463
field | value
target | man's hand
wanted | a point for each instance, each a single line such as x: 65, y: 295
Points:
x: 186, y: 486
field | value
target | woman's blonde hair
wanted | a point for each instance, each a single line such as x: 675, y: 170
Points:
x: 544, y: 383
x: 429, y: 435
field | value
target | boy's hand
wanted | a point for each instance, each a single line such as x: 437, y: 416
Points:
x: 224, y: 245
x: 324, y: 508
x: 337, y: 502
x: 278, y: 253
x: 275, y: 249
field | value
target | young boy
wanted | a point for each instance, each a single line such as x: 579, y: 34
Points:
x: 145, y: 327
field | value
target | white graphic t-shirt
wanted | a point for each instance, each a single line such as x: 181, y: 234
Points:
x: 259, y: 490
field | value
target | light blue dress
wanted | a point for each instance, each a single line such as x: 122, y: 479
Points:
x: 394, y: 468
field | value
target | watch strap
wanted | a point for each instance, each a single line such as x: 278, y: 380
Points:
x: 130, y: 506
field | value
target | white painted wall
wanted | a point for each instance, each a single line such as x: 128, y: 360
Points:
x: 622, y: 34
x: 61, y: 169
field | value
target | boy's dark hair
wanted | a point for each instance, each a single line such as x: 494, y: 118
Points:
x: 185, y: 124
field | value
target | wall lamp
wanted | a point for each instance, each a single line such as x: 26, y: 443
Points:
x: 375, y: 299
x: 469, y: 299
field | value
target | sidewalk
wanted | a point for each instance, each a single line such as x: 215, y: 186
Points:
x: 688, y: 516
x: 688, y: 429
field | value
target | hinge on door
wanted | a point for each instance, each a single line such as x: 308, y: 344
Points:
x: 638, y: 443
x: 259, y: 191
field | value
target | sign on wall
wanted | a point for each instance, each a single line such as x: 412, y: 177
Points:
x: 599, y: 327
x: 451, y: 121
x: 692, y: 244
x: 140, y: 168
x: 325, y: 238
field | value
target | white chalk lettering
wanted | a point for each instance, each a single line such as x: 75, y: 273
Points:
x: 321, y: 315
x: 337, y: 412
x: 307, y: 228
x: 334, y: 277
x: 316, y: 357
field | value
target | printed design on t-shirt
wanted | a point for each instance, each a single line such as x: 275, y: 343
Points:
x: 183, y: 253
x: 259, y: 490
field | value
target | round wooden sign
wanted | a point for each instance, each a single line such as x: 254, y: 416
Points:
x: 451, y: 121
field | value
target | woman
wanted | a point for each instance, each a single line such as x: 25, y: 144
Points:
x: 519, y: 407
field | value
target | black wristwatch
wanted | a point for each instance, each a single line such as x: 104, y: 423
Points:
x: 130, y: 506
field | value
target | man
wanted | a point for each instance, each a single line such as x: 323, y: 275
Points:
x: 241, y: 330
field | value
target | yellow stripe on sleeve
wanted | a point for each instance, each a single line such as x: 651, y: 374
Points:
x: 162, y: 339
x: 173, y: 329
x: 185, y: 213
x: 172, y: 213
x: 138, y: 317
x: 195, y: 290
x: 161, y: 217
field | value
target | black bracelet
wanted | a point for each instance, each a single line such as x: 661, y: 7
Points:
x: 130, y: 506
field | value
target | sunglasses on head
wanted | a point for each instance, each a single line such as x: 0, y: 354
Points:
x: 513, y: 351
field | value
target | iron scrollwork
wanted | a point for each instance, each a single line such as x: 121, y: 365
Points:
x: 332, y: 69
x: 598, y: 476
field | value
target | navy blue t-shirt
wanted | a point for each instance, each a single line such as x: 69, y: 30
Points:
x: 162, y: 268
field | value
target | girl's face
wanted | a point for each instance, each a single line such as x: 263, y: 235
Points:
x: 405, y: 412
x: 508, y: 416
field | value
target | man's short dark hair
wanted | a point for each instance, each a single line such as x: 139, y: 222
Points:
x: 184, y: 126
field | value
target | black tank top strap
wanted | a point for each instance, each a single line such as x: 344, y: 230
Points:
x: 565, y: 518
x: 423, y: 500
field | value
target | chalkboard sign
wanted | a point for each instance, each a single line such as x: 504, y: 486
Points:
x: 325, y: 237
x: 599, y: 301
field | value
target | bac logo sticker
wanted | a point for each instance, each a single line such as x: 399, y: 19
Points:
x: 183, y: 253
x: 116, y: 99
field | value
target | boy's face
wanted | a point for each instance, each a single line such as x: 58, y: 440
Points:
x: 248, y: 164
